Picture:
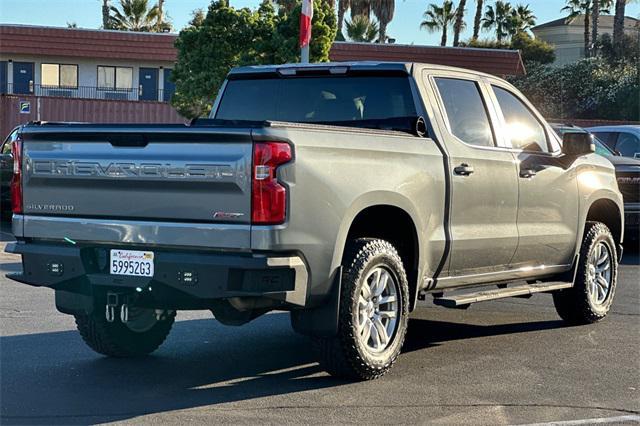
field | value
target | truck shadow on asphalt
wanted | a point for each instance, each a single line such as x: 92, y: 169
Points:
x: 52, y: 378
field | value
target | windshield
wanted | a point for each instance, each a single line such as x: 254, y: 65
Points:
x: 317, y: 99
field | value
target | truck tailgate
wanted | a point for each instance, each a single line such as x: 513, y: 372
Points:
x: 177, y: 175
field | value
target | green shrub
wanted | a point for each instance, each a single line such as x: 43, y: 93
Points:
x: 589, y: 88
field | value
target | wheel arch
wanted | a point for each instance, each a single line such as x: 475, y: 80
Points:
x: 394, y: 221
x: 607, y: 211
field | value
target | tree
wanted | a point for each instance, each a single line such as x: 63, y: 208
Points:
x: 477, y: 19
x: 575, y: 8
x: 197, y: 18
x: 521, y: 20
x: 618, y: 26
x: 498, y: 17
x: 282, y: 44
x: 583, y: 8
x: 136, y: 15
x: 383, y: 10
x: 626, y: 52
x: 229, y: 37
x: 438, y: 18
x: 106, y: 17
x: 360, y: 29
x: 343, y: 6
x: 595, y: 15
x: 361, y: 7
x: 459, y: 24
x: 533, y: 51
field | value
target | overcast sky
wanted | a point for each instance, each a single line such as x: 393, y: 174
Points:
x: 405, y: 26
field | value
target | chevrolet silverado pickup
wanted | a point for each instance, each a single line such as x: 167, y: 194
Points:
x: 343, y: 192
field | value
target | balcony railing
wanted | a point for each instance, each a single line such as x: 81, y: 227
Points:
x: 87, y: 92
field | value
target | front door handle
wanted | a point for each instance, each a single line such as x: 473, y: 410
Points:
x: 527, y: 173
x: 463, y: 169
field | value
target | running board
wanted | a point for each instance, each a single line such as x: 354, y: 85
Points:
x: 462, y: 301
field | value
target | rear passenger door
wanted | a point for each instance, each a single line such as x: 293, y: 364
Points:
x: 548, y: 192
x: 484, y: 183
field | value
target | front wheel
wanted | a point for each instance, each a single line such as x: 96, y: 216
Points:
x: 373, y: 316
x: 590, y: 298
x: 142, y: 334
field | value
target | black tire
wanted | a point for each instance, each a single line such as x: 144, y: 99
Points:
x: 345, y: 355
x: 575, y: 305
x: 116, y: 339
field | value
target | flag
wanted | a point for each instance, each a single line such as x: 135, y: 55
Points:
x: 305, y: 22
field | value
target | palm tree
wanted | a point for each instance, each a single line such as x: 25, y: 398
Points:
x: 438, y: 18
x: 583, y: 8
x: 618, y: 25
x: 136, y: 15
x: 595, y: 15
x: 477, y: 19
x: 105, y: 14
x: 498, y: 17
x: 360, y: 29
x: 383, y: 10
x: 343, y: 6
x: 459, y: 24
x: 521, y: 19
x: 361, y: 8
x: 576, y: 8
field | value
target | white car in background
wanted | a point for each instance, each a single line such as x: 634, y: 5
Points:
x: 623, y: 139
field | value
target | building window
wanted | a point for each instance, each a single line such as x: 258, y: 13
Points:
x: 59, y: 75
x: 115, y: 78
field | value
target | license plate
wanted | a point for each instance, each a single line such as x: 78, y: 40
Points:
x: 131, y: 262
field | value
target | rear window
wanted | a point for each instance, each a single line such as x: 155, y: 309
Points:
x: 317, y: 99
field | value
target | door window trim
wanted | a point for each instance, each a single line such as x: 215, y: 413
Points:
x: 428, y: 78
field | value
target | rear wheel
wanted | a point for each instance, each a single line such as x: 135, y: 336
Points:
x: 373, y: 313
x: 142, y: 334
x: 590, y: 298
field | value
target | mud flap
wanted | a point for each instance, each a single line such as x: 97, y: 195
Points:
x: 323, y: 320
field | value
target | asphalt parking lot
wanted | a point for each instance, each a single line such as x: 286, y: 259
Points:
x: 505, y: 362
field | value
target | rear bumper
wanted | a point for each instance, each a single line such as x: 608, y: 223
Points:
x: 182, y: 279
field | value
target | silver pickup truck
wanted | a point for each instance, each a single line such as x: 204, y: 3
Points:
x: 343, y: 193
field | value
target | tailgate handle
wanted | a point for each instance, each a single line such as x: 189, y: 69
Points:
x: 131, y: 140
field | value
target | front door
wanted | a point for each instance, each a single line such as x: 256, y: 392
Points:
x: 484, y: 186
x: 23, y: 77
x: 148, y: 84
x: 548, y: 201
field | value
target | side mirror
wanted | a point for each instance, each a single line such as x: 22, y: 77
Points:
x: 576, y: 144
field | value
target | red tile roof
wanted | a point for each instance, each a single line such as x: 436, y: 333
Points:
x: 82, y: 43
x: 492, y: 61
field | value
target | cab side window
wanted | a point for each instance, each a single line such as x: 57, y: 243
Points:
x: 466, y: 111
x: 522, y: 127
x: 628, y: 145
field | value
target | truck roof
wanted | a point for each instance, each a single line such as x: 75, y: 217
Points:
x: 338, y: 68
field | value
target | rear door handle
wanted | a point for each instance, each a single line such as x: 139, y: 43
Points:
x: 463, y: 169
x: 527, y: 173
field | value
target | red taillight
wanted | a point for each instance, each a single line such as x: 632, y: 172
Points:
x: 16, y: 180
x: 269, y: 198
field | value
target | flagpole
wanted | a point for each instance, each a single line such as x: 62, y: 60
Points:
x: 306, y: 17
